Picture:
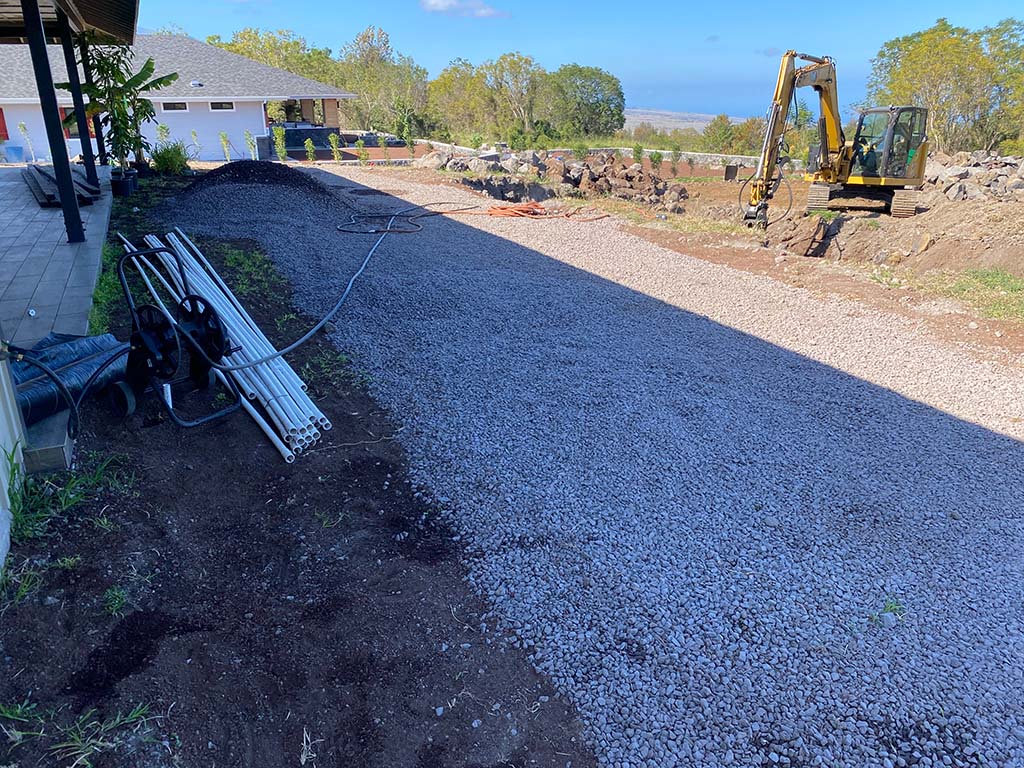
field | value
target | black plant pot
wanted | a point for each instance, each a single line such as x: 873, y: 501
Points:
x: 123, y: 183
x: 120, y: 186
x: 133, y: 177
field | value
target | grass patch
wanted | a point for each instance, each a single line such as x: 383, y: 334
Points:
x: 828, y: 216
x: 90, y: 736
x: 67, y: 563
x: 995, y: 292
x: 107, y: 296
x: 694, y: 179
x: 18, y: 583
x: 327, y: 369
x: 114, y: 600
x: 35, y: 502
x: 251, y: 273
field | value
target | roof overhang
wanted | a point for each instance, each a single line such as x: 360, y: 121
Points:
x: 111, y: 20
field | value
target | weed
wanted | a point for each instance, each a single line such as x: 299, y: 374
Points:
x: 114, y: 600
x: 827, y: 216
x: 252, y: 273
x: 195, y: 143
x: 34, y: 502
x: 362, y: 152
x: 873, y: 224
x: 327, y: 369
x: 18, y: 583
x: 284, y: 321
x: 90, y: 736
x: 885, y: 277
x: 67, y: 563
x: 307, y: 755
x: 310, y: 148
x: 24, y: 712
x: 104, y: 523
x: 335, y: 143
x: 895, y: 607
x: 329, y: 519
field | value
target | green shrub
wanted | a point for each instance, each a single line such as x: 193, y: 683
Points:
x: 362, y: 152
x: 169, y: 157
x: 335, y: 143
x: 476, y: 140
x: 310, y: 149
x: 580, y: 151
x: 542, y: 142
x: 638, y: 153
x: 225, y: 145
x: 279, y: 146
x: 250, y: 143
x: 655, y: 158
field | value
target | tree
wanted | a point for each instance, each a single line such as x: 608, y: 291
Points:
x: 512, y: 82
x: 970, y: 81
x: 282, y: 49
x: 584, y: 101
x: 747, y: 137
x: 718, y: 134
x: 458, y: 98
x: 390, y: 89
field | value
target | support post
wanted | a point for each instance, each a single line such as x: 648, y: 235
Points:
x: 97, y: 126
x: 76, y: 97
x: 51, y: 118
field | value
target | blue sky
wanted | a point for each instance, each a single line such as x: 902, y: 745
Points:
x: 707, y: 57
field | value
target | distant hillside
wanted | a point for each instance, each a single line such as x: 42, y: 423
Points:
x: 670, y: 120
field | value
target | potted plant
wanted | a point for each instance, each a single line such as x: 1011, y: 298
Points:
x: 117, y: 94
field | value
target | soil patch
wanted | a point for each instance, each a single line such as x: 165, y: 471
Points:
x: 263, y: 612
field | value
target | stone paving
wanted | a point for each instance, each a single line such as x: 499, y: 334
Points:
x: 46, y: 283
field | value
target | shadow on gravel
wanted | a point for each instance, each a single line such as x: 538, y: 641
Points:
x: 623, y: 465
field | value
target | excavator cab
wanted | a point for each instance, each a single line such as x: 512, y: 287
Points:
x: 887, y: 146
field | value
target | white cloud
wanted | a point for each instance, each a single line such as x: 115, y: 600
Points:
x: 475, y: 8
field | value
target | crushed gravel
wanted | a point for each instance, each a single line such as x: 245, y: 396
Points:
x: 735, y: 523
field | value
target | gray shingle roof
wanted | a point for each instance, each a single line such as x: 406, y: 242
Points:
x: 224, y: 75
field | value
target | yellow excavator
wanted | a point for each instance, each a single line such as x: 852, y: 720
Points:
x: 884, y: 161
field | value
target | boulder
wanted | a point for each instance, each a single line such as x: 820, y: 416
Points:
x: 481, y: 166
x: 457, y: 165
x: 956, y: 172
x: 972, y: 191
x: 510, y: 164
x: 433, y: 160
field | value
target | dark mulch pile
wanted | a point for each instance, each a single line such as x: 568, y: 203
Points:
x: 260, y: 172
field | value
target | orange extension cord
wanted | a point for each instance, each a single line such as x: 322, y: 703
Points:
x: 530, y: 210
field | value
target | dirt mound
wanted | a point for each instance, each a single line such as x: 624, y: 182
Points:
x: 944, y: 235
x: 260, y: 172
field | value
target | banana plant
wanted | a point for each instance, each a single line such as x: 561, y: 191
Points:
x: 118, y: 96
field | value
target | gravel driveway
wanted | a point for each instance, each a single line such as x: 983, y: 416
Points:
x: 737, y: 524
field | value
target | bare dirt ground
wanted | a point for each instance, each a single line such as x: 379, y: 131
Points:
x: 208, y: 605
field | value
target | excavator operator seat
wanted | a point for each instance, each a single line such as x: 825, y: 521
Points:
x: 887, y: 141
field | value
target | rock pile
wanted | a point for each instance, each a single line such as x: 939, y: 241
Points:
x: 599, y: 175
x: 976, y: 175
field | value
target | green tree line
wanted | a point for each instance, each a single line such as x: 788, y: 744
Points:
x: 511, y: 97
x: 971, y: 81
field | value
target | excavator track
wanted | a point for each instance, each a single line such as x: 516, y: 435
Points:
x: 817, y: 197
x: 904, y: 203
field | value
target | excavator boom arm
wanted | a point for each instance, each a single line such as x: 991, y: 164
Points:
x: 819, y: 74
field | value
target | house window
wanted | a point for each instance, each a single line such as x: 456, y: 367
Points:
x: 4, y: 135
x: 174, y: 106
x: 71, y: 128
x: 222, y: 106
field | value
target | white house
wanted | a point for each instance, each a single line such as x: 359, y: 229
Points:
x: 216, y: 91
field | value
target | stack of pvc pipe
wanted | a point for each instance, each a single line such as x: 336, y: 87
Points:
x: 289, y: 417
